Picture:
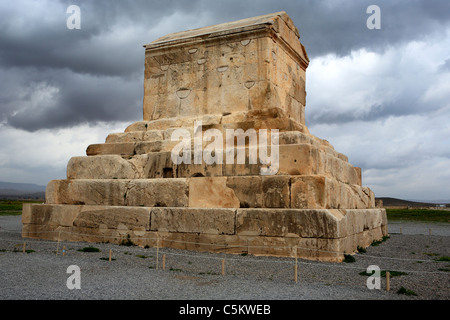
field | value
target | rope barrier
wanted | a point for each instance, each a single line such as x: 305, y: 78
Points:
x: 282, y: 260
x: 61, y: 231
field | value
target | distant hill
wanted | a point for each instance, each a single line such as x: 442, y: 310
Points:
x: 393, y: 202
x: 10, y: 190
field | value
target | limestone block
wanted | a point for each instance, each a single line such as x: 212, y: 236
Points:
x: 157, y: 193
x: 89, y: 192
x: 261, y: 191
x: 47, y: 232
x: 211, y: 192
x: 276, y: 191
x: 145, y: 192
x: 205, y: 221
x: 360, y: 220
x: 234, y: 117
x: 153, y: 135
x: 155, y: 146
x: 101, y: 167
x: 137, y: 126
x: 305, y: 223
x: 237, y: 168
x: 167, y: 134
x: 297, y: 137
x: 125, y: 137
x: 198, y: 170
x: 138, y: 162
x: 160, y: 165
x: 309, y: 192
x: 363, y: 239
x: 134, y: 218
x: 370, y: 195
x: 124, y: 149
x: 298, y: 159
x: 362, y: 197
x: 26, y: 213
x: 295, y: 110
x: 49, y: 215
x: 248, y: 190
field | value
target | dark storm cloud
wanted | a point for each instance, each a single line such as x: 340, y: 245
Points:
x: 65, y: 77
x: 65, y: 98
x: 395, y: 108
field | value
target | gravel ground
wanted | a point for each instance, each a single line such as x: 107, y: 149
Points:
x: 197, y: 276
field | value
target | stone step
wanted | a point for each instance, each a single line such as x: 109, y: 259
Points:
x: 318, y: 234
x: 267, y: 118
x: 281, y: 191
x: 294, y: 159
x: 160, y: 140
x: 139, y: 142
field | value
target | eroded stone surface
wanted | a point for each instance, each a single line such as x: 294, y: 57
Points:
x: 243, y: 75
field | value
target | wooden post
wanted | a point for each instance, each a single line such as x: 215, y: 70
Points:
x: 296, y: 266
x: 430, y: 231
x: 157, y: 250
x: 110, y: 255
x: 59, y: 239
x: 388, y: 281
x: 24, y: 246
x: 401, y: 230
x: 223, y: 267
x: 164, y: 262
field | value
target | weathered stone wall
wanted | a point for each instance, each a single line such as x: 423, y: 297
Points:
x: 248, y: 74
x: 228, y: 71
x: 317, y: 234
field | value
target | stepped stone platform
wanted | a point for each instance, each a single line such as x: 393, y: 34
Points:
x: 244, y: 75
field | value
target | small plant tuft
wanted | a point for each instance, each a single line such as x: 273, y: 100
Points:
x: 89, y: 249
x: 444, y: 258
x: 142, y: 256
x: 349, y: 258
x: 393, y: 273
x: 431, y: 254
x: 383, y: 273
x: 407, y: 292
x: 127, y: 242
x: 378, y: 242
x: 107, y: 259
x: 361, y: 249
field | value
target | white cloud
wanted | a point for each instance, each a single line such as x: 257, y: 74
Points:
x: 403, y: 146
x: 402, y: 80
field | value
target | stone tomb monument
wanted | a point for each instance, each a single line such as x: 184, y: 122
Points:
x: 248, y: 75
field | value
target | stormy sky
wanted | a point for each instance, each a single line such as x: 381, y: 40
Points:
x: 380, y: 96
